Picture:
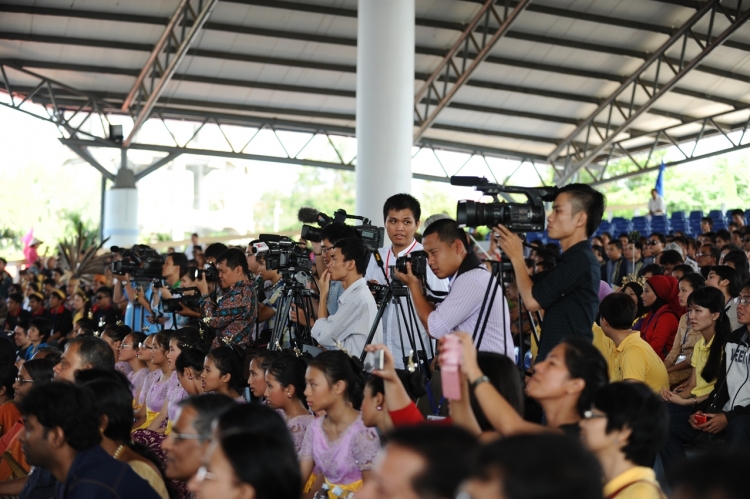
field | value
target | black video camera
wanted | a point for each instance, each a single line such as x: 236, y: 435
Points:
x: 517, y: 217
x: 371, y: 236
x: 418, y: 260
x: 140, y: 261
x: 210, y: 273
x: 191, y: 300
x: 281, y: 253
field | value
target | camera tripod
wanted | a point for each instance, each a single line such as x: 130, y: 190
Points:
x: 293, y: 292
x: 393, y: 292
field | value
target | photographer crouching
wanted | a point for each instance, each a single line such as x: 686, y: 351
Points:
x: 569, y: 292
x: 233, y: 315
x: 447, y: 251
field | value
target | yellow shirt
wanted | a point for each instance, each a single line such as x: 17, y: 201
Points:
x: 602, y: 343
x: 698, y: 361
x: 635, y: 359
x: 646, y: 488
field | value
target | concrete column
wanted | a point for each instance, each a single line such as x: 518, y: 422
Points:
x: 385, y: 102
x: 121, y: 208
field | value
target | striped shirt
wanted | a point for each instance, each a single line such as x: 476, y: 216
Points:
x: 460, y: 311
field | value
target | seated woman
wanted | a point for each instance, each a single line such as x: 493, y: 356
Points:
x: 189, y: 366
x: 727, y: 280
x: 677, y: 360
x: 635, y: 291
x: 285, y: 378
x: 707, y: 316
x: 624, y: 429
x: 257, y: 377
x: 338, y: 444
x: 564, y: 385
x: 222, y: 372
x: 659, y: 327
x: 115, y: 401
x: 128, y: 353
x: 156, y: 391
x: 114, y: 336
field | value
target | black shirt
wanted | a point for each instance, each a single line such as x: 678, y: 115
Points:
x: 569, y: 295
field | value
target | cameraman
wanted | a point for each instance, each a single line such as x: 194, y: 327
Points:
x: 569, y: 292
x: 232, y: 316
x: 349, y: 326
x: 401, y: 216
x: 175, y: 266
x: 448, y: 255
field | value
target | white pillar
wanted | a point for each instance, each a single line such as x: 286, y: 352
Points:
x: 121, y: 209
x: 385, y: 102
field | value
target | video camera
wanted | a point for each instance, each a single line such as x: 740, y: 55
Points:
x: 190, y: 301
x: 371, y: 236
x: 141, y: 262
x: 517, y: 217
x: 210, y: 273
x: 282, y: 253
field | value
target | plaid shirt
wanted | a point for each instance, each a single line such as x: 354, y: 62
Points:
x: 233, y: 315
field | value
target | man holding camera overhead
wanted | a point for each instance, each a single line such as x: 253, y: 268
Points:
x: 401, y: 215
x: 233, y: 315
x: 569, y: 292
x: 448, y: 255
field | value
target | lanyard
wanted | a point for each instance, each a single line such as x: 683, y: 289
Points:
x: 388, y: 257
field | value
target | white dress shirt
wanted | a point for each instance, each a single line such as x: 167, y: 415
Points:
x: 392, y: 316
x: 351, y: 323
x: 657, y: 205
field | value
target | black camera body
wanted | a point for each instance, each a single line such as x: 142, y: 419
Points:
x: 140, y: 261
x: 210, y: 273
x: 418, y: 260
x: 517, y: 217
x: 371, y: 236
x: 283, y: 254
x: 191, y: 301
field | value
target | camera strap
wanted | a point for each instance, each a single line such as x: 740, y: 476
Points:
x: 471, y: 262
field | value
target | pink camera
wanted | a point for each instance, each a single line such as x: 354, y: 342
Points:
x: 450, y: 367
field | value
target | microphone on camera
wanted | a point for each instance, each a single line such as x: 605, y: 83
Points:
x: 259, y: 247
x: 307, y: 215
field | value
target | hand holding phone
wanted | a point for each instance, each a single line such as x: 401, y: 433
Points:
x: 450, y: 367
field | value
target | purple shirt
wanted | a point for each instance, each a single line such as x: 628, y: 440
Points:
x: 137, y: 379
x: 175, y: 393
x: 148, y: 381
x: 157, y: 393
x: 460, y: 310
x: 298, y: 428
x: 342, y: 461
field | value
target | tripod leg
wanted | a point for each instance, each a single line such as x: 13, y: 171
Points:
x: 374, y: 327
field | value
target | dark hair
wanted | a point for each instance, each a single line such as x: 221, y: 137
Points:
x: 637, y: 245
x: 180, y: 260
x: 40, y: 370
x: 708, y: 220
x: 23, y: 324
x: 720, y: 473
x: 138, y: 338
x: 208, y: 407
x: 43, y: 326
x: 94, y: 351
x: 739, y: 259
x: 725, y: 272
x: 338, y: 366
x: 619, y: 310
x: 353, y: 248
x: 400, y: 202
x: 584, y: 361
x: 214, y: 250
x: 234, y: 258
x: 597, y: 250
x: 713, y: 250
x: 506, y: 379
x: 266, y: 461
x: 694, y: 279
x: 616, y: 243
x: 654, y: 269
x: 638, y: 290
x: 438, y: 446
x: 540, y: 466
x: 115, y: 333
x: 724, y: 234
x: 8, y: 373
x: 229, y: 360
x: 585, y: 198
x: 187, y: 337
x: 684, y: 268
x: 87, y: 327
x: 255, y: 417
x: 162, y: 340
x: 713, y: 300
x: 335, y: 232
x: 65, y: 405
x: 52, y: 354
x: 670, y: 257
x: 49, y: 281
x: 16, y: 297
x: 288, y: 369
x: 447, y: 231
x: 636, y: 407
x: 114, y: 399
x: 106, y: 290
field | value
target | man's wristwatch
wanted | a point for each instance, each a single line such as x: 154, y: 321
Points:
x: 479, y: 381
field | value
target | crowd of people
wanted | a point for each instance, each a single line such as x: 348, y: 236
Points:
x: 174, y: 387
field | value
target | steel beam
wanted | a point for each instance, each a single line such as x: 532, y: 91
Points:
x: 182, y: 29
x: 81, y: 149
x: 588, y: 131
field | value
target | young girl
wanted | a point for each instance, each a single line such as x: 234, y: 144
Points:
x: 114, y: 336
x: 189, y: 366
x: 128, y: 353
x: 728, y: 281
x: 677, y: 360
x: 157, y: 390
x: 222, y: 373
x: 707, y: 316
x: 285, y: 381
x: 338, y: 444
x: 257, y: 378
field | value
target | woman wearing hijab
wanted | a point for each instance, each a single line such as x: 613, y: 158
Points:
x: 658, y: 328
x: 635, y: 290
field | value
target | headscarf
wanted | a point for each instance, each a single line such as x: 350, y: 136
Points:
x: 665, y: 288
x: 638, y: 290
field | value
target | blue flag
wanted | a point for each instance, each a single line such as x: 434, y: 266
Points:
x: 660, y: 180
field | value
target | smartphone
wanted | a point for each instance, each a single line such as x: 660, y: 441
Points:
x: 450, y: 364
x: 374, y: 361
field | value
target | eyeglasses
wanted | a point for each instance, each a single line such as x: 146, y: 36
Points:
x: 593, y: 415
x: 746, y: 239
x: 19, y: 379
x: 700, y: 254
x: 203, y: 474
x: 653, y: 243
x: 125, y: 345
x: 186, y: 436
x: 325, y: 249
x: 745, y: 301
